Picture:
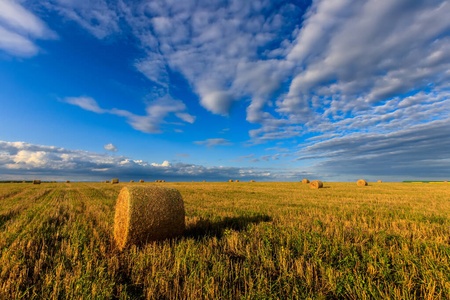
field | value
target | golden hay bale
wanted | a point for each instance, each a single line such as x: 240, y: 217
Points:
x: 147, y: 214
x: 361, y: 182
x: 36, y: 182
x: 114, y: 181
x: 141, y: 181
x: 131, y: 180
x: 379, y: 181
x: 106, y: 181
x: 163, y: 181
x: 316, y: 184
x: 67, y: 181
x: 252, y: 181
x: 305, y: 181
x: 231, y: 180
x: 237, y: 180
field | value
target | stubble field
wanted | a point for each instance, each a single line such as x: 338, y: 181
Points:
x: 243, y: 241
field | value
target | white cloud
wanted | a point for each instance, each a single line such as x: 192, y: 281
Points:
x: 110, y: 147
x: 86, y: 103
x: 27, y: 161
x: 19, y: 28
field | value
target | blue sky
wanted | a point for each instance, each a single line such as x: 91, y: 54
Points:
x: 211, y: 90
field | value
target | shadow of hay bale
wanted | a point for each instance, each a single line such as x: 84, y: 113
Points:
x: 200, y: 228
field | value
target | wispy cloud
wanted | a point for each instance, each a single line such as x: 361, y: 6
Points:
x: 156, y: 111
x: 214, y: 142
x: 19, y: 28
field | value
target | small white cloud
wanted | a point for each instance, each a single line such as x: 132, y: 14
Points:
x: 164, y: 164
x: 110, y: 147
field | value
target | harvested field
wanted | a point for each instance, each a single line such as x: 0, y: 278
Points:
x: 251, y: 240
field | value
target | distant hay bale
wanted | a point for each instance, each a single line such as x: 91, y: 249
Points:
x: 231, y: 180
x: 156, y: 180
x: 361, y: 182
x: 252, y: 181
x: 237, y: 180
x: 141, y: 181
x: 163, y: 181
x: 316, y: 184
x: 67, y: 181
x: 147, y: 214
x: 23, y: 182
x: 114, y: 181
x: 106, y: 181
x: 131, y: 181
x: 36, y: 182
x: 204, y: 180
x: 305, y: 181
x: 379, y: 181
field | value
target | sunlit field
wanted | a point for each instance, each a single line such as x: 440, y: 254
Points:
x: 243, y: 241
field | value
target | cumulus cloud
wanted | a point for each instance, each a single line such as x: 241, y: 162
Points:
x: 214, y: 142
x: 26, y: 161
x: 156, y: 111
x: 19, y: 28
x: 110, y: 147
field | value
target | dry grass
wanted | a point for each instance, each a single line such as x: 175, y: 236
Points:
x: 146, y: 214
x: 361, y: 182
x: 316, y: 184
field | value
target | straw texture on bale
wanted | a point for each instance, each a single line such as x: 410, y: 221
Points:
x: 316, y: 184
x: 379, y: 181
x: 114, y: 180
x: 141, y: 181
x: 231, y: 180
x: 361, y: 182
x: 36, y: 182
x: 147, y: 214
x: 131, y: 180
x: 305, y: 181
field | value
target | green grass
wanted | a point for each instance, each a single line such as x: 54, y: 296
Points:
x: 243, y: 241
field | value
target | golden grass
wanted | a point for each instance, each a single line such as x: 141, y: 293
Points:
x: 146, y: 214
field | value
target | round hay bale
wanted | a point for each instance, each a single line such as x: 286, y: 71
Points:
x: 106, y: 181
x: 147, y: 214
x: 114, y: 181
x: 379, y: 181
x: 361, y: 182
x: 316, y: 184
x: 305, y: 181
x: 231, y: 180
x: 67, y: 181
x: 36, y: 182
x: 237, y: 180
x: 163, y: 181
x: 252, y: 181
x: 131, y: 181
x: 141, y: 181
